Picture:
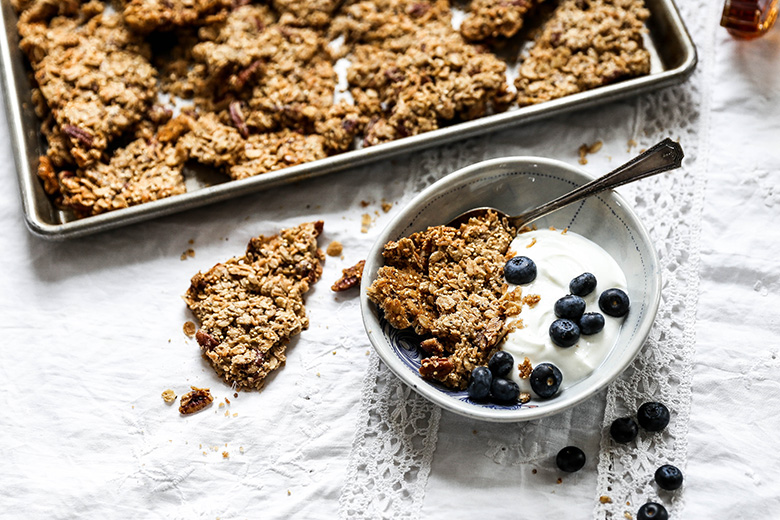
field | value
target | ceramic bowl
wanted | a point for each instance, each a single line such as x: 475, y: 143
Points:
x: 514, y: 185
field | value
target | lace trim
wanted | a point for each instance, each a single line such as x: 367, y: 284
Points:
x: 671, y: 208
x: 392, y: 450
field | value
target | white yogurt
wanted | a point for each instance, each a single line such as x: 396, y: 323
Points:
x: 559, y: 257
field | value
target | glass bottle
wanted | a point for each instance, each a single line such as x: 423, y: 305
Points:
x: 748, y: 19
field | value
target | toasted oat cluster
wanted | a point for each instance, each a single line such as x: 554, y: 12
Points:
x: 586, y: 44
x: 250, y: 306
x: 254, y: 85
x: 448, y: 285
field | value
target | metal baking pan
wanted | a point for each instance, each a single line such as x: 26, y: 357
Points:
x: 673, y: 60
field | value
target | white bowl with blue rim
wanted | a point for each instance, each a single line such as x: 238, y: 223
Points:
x: 514, y: 185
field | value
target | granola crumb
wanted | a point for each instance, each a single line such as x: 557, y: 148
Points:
x: 628, y: 516
x: 169, y: 396
x: 189, y: 253
x: 631, y: 144
x: 560, y: 480
x: 604, y: 499
x: 531, y: 300
x: 364, y: 203
x: 225, y: 455
x: 190, y: 328
x: 386, y: 206
x: 288, y: 493
x: 241, y: 449
x: 525, y: 368
x: 334, y: 249
x: 524, y: 397
x: 533, y: 242
x: 533, y: 471
x: 221, y: 405
x: 365, y: 222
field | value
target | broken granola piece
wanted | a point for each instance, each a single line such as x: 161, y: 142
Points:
x: 350, y: 277
x: 195, y: 400
x: 94, y: 77
x: 138, y: 173
x: 447, y: 284
x: 250, y: 306
x: 586, y: 44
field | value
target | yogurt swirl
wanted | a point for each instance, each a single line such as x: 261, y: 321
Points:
x: 559, y: 257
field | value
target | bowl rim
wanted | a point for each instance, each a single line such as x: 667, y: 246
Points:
x: 602, y: 378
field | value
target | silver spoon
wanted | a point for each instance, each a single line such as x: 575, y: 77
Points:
x: 666, y: 155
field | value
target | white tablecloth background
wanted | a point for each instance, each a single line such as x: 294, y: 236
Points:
x: 91, y: 334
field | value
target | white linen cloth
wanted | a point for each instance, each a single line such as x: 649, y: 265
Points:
x: 92, y: 334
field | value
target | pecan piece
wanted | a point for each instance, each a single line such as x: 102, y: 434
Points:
x: 79, y: 134
x: 206, y: 340
x: 47, y: 174
x: 195, y: 400
x: 350, y: 277
x: 432, y: 347
x: 238, y: 119
x: 437, y: 368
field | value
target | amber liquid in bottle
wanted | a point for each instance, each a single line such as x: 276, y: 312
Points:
x: 748, y: 19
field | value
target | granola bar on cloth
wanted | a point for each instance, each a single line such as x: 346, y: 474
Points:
x: 250, y: 306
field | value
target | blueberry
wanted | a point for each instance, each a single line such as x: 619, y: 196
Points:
x: 504, y: 390
x: 652, y: 511
x: 570, y: 307
x: 614, y: 302
x: 546, y: 379
x: 501, y: 363
x: 591, y: 323
x: 653, y: 416
x: 668, y: 477
x: 570, y: 459
x: 564, y: 333
x: 624, y: 430
x: 520, y: 270
x: 583, y: 284
x: 479, y: 387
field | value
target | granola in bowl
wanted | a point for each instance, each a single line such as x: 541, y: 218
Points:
x: 437, y: 311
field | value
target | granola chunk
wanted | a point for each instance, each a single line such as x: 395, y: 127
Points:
x: 586, y: 44
x: 149, y: 15
x: 438, y: 79
x: 447, y: 284
x: 306, y: 13
x: 276, y: 150
x: 250, y: 306
x: 494, y: 18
